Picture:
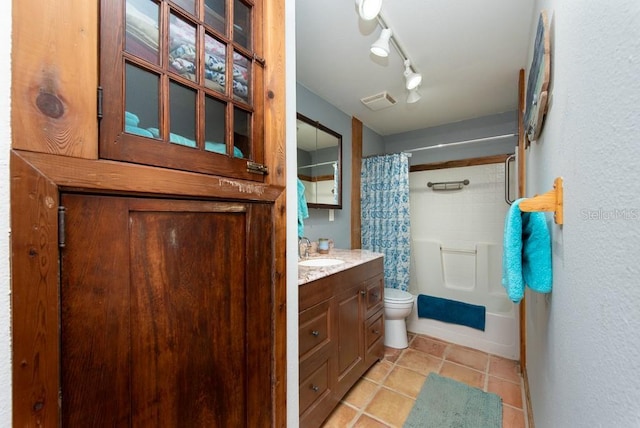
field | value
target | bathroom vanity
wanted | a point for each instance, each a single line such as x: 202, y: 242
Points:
x: 341, y: 328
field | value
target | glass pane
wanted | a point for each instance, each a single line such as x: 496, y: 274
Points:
x: 182, y: 111
x: 142, y: 29
x: 141, y: 115
x: 214, y: 64
x: 188, y: 5
x: 214, y: 132
x: 215, y: 13
x: 242, y: 132
x: 242, y: 24
x: 241, y: 77
x: 182, y: 47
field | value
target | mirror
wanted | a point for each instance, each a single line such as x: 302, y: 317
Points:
x: 319, y: 163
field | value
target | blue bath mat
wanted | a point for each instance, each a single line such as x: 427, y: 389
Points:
x: 451, y: 311
x: 444, y: 402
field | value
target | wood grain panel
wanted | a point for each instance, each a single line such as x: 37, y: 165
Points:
x: 95, y: 323
x: 266, y: 317
x: 275, y: 139
x: 120, y: 177
x: 356, y: 169
x: 522, y: 174
x: 459, y: 163
x: 187, y: 309
x: 34, y: 296
x: 55, y: 77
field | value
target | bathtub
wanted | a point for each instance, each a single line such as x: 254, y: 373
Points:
x: 468, y: 273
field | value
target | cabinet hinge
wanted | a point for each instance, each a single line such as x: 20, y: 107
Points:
x: 259, y: 59
x: 61, y: 224
x: 257, y: 168
x: 99, y: 102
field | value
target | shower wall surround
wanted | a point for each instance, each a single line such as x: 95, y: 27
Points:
x: 459, y: 218
x: 457, y: 254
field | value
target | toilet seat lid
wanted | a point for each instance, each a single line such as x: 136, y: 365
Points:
x: 396, y: 295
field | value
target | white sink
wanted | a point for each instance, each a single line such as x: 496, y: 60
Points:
x: 320, y: 262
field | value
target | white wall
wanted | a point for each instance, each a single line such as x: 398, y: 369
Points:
x: 5, y: 288
x: 292, y: 217
x: 5, y: 284
x: 459, y: 218
x: 583, y: 340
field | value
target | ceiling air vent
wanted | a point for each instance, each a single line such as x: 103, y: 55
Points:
x: 378, y: 101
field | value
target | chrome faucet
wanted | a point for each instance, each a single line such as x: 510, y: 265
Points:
x: 307, y: 244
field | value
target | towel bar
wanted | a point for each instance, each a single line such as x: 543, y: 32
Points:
x: 457, y: 250
x: 550, y: 201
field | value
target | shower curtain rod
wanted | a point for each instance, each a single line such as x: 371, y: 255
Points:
x: 317, y: 164
x: 404, y: 152
x: 458, y: 143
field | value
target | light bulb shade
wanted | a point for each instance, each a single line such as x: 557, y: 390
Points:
x: 369, y: 9
x: 414, y: 96
x: 412, y: 79
x: 381, y: 46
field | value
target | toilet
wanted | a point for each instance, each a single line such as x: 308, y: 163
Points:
x: 397, y: 306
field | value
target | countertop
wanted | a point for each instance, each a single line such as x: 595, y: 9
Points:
x: 351, y: 257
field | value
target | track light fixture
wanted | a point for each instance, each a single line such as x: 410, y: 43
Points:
x: 414, y: 96
x: 368, y: 9
x: 412, y: 79
x: 381, y: 46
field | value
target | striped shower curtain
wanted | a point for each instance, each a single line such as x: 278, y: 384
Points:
x: 385, y: 214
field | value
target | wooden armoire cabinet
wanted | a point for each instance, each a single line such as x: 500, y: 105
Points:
x: 146, y: 259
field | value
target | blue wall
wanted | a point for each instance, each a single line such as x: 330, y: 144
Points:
x: 583, y: 340
x: 483, y: 127
x: 318, y: 224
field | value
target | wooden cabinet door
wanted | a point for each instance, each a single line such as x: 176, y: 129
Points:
x: 183, y: 85
x: 349, y: 337
x: 165, y: 313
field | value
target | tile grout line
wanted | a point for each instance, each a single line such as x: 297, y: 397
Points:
x: 394, y: 364
x: 379, y: 385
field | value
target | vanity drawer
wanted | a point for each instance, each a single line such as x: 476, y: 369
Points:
x: 315, y: 387
x: 313, y: 329
x: 374, y: 338
x: 374, y: 297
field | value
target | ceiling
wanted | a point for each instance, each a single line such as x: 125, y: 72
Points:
x: 468, y: 51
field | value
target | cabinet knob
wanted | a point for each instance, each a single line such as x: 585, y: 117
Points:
x: 363, y: 292
x: 315, y: 333
x: 376, y: 331
x: 315, y: 388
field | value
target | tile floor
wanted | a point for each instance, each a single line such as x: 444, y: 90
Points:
x: 386, y: 393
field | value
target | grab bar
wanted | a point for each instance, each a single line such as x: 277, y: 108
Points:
x: 448, y: 185
x: 507, y: 178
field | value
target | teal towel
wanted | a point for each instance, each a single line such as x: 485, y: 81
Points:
x: 451, y: 311
x: 208, y: 145
x: 131, y: 119
x: 303, y: 210
x: 138, y: 131
x: 526, y: 256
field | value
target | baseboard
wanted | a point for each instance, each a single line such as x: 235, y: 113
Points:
x: 527, y: 397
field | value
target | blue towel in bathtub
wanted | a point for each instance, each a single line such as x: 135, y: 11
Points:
x: 451, y: 311
x: 526, y: 258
